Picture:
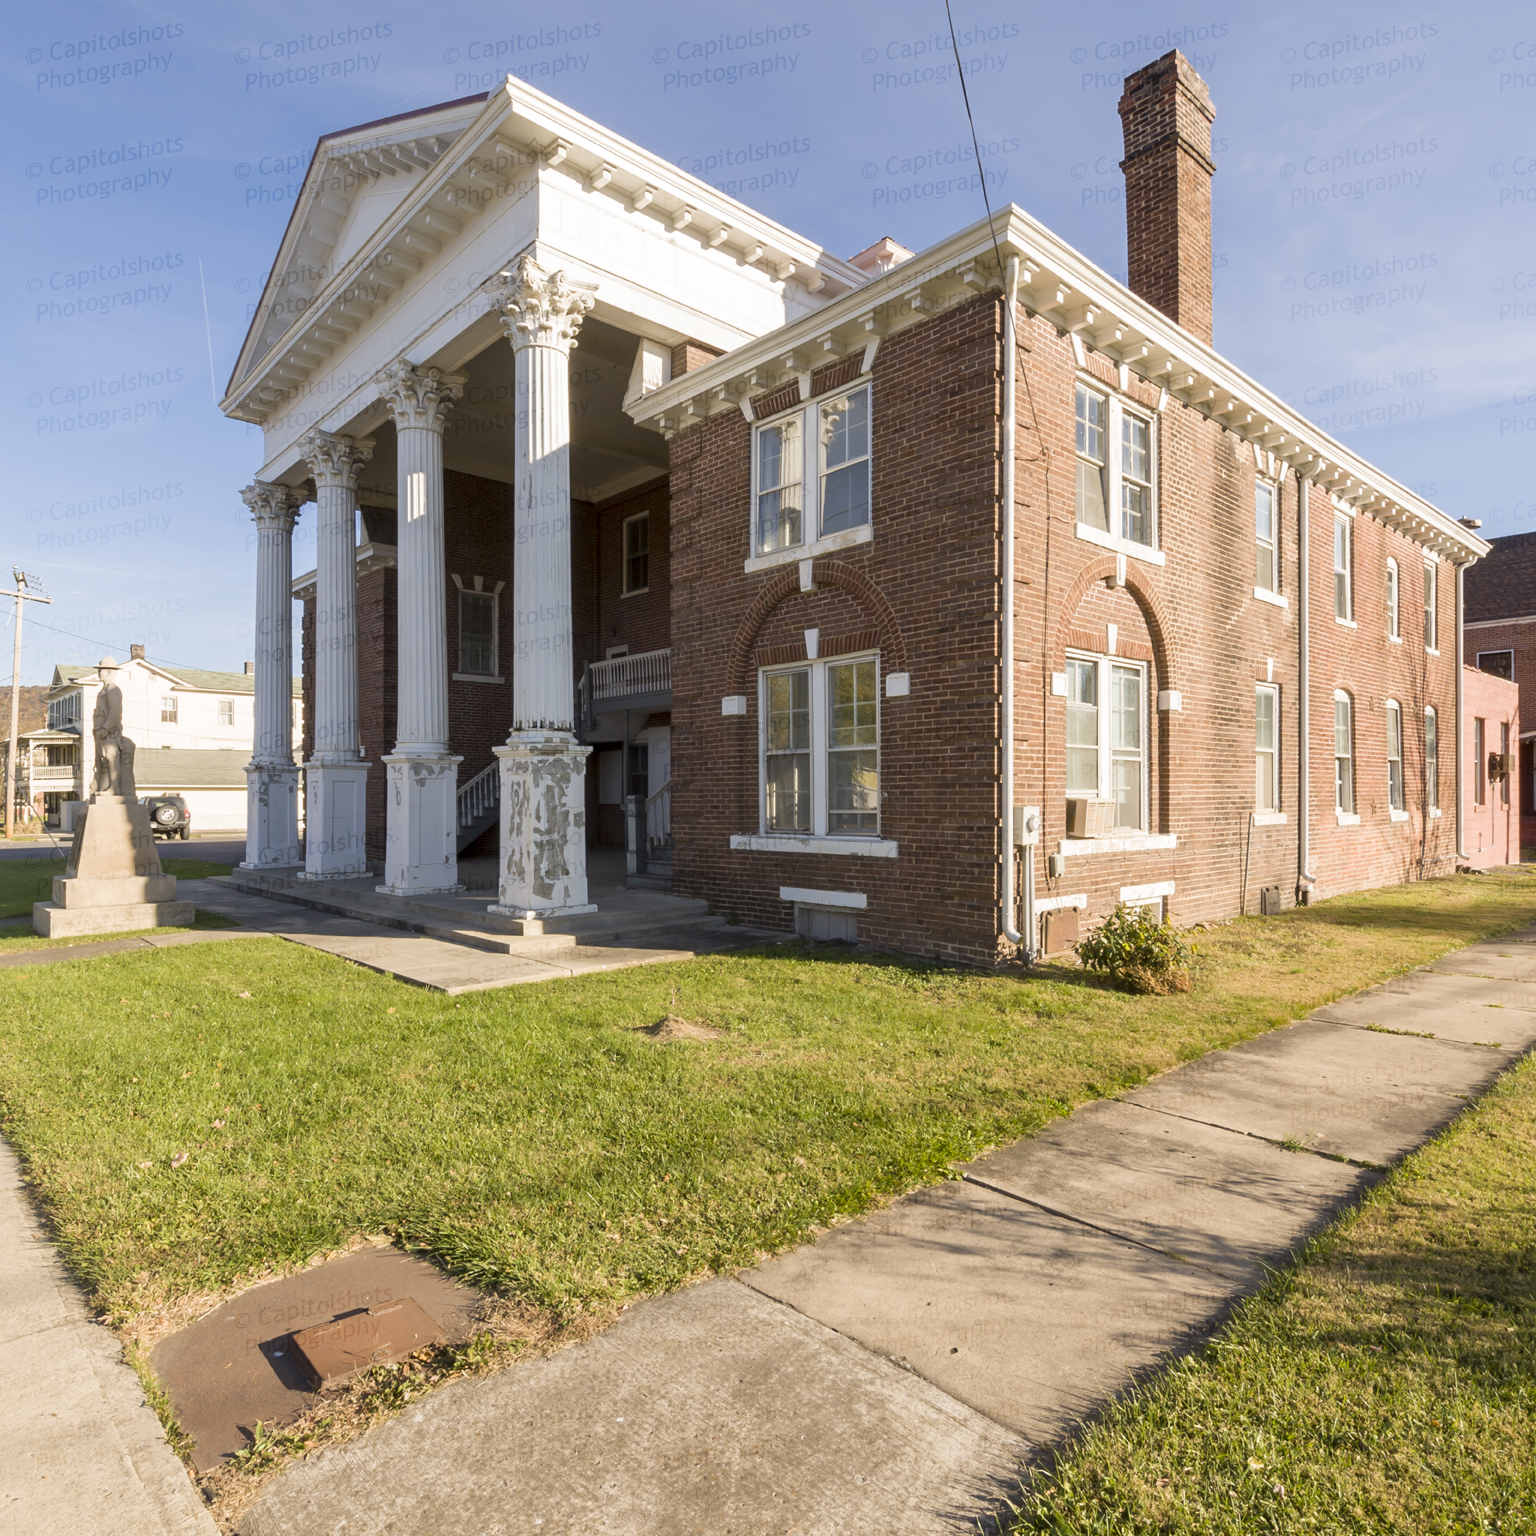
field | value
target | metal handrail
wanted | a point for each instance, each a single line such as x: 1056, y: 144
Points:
x: 479, y: 795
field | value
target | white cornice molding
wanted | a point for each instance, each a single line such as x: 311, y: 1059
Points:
x: 520, y: 122
x: 1081, y: 300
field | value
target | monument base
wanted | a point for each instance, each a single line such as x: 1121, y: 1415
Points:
x: 53, y: 921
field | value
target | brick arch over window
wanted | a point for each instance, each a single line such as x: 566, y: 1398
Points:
x: 1143, y: 596
x: 829, y: 573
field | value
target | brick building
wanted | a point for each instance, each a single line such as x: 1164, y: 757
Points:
x: 932, y: 599
x: 1500, y: 640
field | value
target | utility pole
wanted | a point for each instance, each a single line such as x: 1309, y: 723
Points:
x: 28, y: 590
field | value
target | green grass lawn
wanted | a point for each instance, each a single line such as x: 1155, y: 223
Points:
x: 29, y: 879
x: 1385, y: 1383
x: 539, y: 1143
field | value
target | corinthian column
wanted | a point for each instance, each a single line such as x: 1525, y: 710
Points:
x: 421, y: 848
x: 335, y: 777
x: 272, y: 776
x: 543, y: 766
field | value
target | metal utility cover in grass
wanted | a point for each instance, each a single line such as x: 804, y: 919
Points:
x: 338, y: 1350
x: 238, y: 1364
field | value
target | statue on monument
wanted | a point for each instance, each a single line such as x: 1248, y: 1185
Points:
x: 114, y: 751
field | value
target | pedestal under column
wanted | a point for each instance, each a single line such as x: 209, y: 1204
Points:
x: 543, y: 826
x: 336, y: 821
x: 421, y: 846
x: 271, y: 816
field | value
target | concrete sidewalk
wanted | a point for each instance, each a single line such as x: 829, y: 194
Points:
x: 83, y: 1451
x: 894, y: 1374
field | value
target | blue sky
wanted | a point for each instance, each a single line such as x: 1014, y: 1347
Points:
x: 1375, y: 202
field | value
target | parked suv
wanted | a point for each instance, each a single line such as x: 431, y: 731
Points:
x: 169, y: 816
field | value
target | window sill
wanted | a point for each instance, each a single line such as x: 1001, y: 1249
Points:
x: 863, y: 534
x: 1346, y: 818
x: 1075, y: 847
x: 1434, y: 811
x: 1278, y: 599
x: 1398, y: 815
x: 1345, y: 623
x: 476, y: 677
x: 1431, y: 650
x: 635, y: 592
x: 1394, y: 639
x: 1142, y: 552
x: 779, y: 842
x: 1270, y: 819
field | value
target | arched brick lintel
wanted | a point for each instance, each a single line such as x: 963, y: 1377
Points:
x: 828, y: 573
x: 1145, y: 598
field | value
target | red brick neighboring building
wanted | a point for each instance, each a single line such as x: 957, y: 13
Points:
x: 1500, y: 639
x: 1492, y: 791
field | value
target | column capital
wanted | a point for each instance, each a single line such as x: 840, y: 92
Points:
x: 419, y: 397
x: 540, y: 309
x: 335, y: 460
x: 272, y: 506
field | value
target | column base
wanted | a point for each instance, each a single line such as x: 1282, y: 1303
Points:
x: 271, y: 816
x: 421, y: 847
x: 543, y: 826
x: 335, y: 823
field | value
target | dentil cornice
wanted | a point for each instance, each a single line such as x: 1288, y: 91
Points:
x: 419, y: 397
x: 538, y: 309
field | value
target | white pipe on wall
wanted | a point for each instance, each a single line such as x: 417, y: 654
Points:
x: 1009, y: 660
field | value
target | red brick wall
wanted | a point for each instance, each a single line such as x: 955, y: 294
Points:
x: 1492, y: 830
x: 1521, y: 639
x: 926, y: 585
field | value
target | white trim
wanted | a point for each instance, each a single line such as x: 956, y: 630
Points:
x: 1431, y: 650
x: 824, y: 898
x: 783, y: 842
x: 1060, y: 903
x: 1347, y: 818
x: 898, y: 685
x: 733, y: 704
x: 1434, y: 811
x: 1346, y: 623
x: 1076, y: 847
x: 1143, y: 552
x: 1270, y: 819
x: 1132, y: 894
x: 1398, y: 815
x: 1394, y: 639
x: 798, y: 552
x: 1527, y: 618
x: 1278, y: 599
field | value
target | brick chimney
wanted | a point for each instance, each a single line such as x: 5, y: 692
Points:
x: 136, y: 653
x: 1166, y: 112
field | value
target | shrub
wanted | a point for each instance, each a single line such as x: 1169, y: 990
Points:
x: 1138, y: 951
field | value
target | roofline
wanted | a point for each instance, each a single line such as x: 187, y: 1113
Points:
x: 401, y: 117
x: 1082, y: 300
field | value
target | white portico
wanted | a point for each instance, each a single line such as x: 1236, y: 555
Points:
x: 463, y: 300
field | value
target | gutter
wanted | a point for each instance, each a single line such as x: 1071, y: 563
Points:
x: 1305, y: 879
x: 1009, y: 660
x: 1461, y: 749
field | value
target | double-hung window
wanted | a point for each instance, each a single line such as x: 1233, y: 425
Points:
x: 1479, y: 761
x: 477, y: 634
x: 226, y: 711
x: 1106, y: 735
x: 1343, y: 584
x: 1266, y: 740
x: 1395, y: 796
x: 1431, y: 604
x: 1431, y: 759
x: 1343, y: 753
x: 1266, y: 531
x: 1504, y: 751
x: 1394, y: 602
x: 1116, y: 470
x: 798, y: 504
x: 821, y: 748
x: 637, y: 554
x: 168, y: 709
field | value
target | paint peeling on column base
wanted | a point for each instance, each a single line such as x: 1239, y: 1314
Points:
x: 543, y: 826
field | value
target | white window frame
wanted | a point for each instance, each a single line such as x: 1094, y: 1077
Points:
x: 1397, y: 786
x: 1272, y: 752
x: 631, y: 522
x: 813, y: 470
x: 1107, y: 749
x: 1343, y: 596
x: 1432, y: 759
x: 1431, y: 605
x: 1394, y: 600
x: 1264, y: 486
x: 226, y: 712
x: 1347, y: 814
x: 820, y: 721
x: 1116, y: 410
x: 170, y: 709
x: 495, y: 599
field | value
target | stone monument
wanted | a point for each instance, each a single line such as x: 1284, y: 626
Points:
x: 112, y: 882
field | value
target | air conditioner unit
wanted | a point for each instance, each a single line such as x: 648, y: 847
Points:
x: 1500, y: 764
x: 1090, y: 818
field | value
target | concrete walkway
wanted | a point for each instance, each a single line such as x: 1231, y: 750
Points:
x: 416, y: 958
x: 83, y: 1452
x: 892, y: 1375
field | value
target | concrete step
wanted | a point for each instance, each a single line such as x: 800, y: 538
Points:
x: 462, y: 918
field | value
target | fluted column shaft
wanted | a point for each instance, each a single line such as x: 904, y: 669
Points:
x: 335, y: 462
x: 272, y: 833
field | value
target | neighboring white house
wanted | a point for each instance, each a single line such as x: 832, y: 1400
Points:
x: 192, y: 732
